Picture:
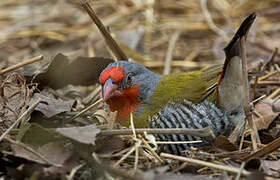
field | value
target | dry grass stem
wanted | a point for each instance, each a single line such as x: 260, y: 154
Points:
x: 21, y: 64
x: 22, y: 116
x: 150, y: 149
x: 238, y: 176
x: 267, y: 149
x: 205, y: 132
x: 111, y: 43
x: 246, y: 102
x: 87, y: 109
x: 178, y: 142
x: 168, y: 57
x: 229, y: 169
x: 209, y: 20
x: 137, y: 145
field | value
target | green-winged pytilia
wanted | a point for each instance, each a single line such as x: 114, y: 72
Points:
x: 210, y: 97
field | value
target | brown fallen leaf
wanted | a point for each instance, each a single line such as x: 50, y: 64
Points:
x: 263, y: 114
x: 84, y: 134
x: 50, y: 106
x: 63, y: 71
x: 55, y: 152
x: 223, y: 143
x: 274, y: 165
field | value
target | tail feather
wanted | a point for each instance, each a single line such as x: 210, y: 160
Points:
x: 233, y: 47
x: 230, y: 90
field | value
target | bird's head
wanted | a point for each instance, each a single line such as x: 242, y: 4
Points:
x: 125, y: 85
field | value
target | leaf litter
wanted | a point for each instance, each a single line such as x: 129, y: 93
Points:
x: 75, y: 53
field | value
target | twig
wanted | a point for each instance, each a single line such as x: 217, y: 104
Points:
x: 178, y: 142
x: 204, y: 132
x: 87, y: 109
x: 33, y: 152
x: 268, y: 75
x: 150, y: 149
x: 246, y: 101
x: 114, y: 171
x: 272, y: 57
x: 132, y: 125
x: 260, y: 67
x: 21, y: 64
x: 171, y: 46
x: 274, y: 93
x: 209, y: 20
x: 208, y: 164
x: 137, y: 145
x: 265, y: 83
x: 272, y: 146
x: 26, y: 113
x: 106, y: 174
x: 112, y: 44
x: 240, y: 171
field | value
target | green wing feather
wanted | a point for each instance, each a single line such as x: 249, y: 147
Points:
x: 194, y: 86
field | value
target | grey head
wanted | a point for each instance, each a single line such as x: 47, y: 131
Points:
x: 136, y: 74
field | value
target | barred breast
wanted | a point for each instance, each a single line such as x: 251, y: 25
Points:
x: 192, y: 116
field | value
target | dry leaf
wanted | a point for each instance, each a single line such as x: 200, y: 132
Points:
x: 264, y: 114
x: 80, y: 71
x: 50, y: 106
x: 85, y: 134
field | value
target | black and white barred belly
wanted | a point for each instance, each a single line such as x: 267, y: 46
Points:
x: 192, y: 116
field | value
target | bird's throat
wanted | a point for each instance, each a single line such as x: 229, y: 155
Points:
x: 126, y: 103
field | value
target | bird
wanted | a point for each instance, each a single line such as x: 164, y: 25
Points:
x: 210, y: 97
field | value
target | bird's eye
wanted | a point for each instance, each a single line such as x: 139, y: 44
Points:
x: 129, y: 78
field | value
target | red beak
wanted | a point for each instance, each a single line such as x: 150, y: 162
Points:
x: 109, y: 89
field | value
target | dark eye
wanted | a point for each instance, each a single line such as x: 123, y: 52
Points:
x: 129, y: 78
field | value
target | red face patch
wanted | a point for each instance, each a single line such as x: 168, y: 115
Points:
x: 115, y: 73
x: 126, y: 103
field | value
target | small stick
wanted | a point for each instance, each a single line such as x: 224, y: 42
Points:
x: 209, y: 20
x: 240, y: 171
x: 168, y: 58
x: 33, y: 152
x: 246, y: 102
x: 268, y: 75
x: 112, y: 44
x: 21, y: 64
x: 150, y: 149
x: 208, y: 164
x: 274, y: 93
x: 204, y: 132
x: 87, y: 109
x: 276, y: 83
x: 178, y: 142
x: 271, y: 147
x: 26, y: 113
x: 257, y: 79
x: 137, y: 145
x: 272, y: 57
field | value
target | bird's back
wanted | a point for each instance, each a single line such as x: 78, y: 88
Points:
x: 192, y: 86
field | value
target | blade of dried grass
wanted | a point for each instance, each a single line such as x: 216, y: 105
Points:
x: 23, y: 115
x: 271, y: 147
x: 204, y: 132
x: 21, y: 64
x: 112, y: 44
x: 87, y: 109
x: 208, y: 164
x: 168, y: 57
x: 246, y: 102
